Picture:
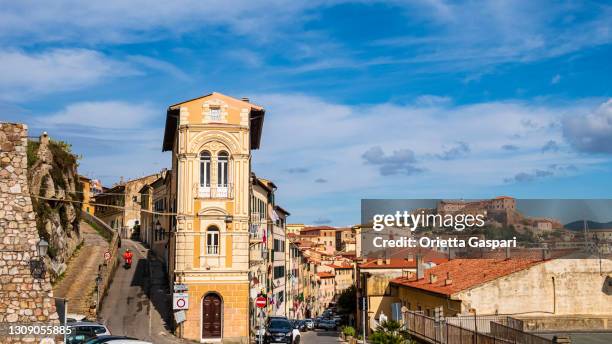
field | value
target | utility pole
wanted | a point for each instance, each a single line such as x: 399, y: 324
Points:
x: 364, y: 305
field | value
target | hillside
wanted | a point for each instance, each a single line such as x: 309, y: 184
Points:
x: 52, y: 173
x: 591, y: 225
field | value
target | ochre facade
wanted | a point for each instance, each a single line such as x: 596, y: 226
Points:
x: 211, y: 139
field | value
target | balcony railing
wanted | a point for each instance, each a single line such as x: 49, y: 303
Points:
x: 212, y: 249
x: 256, y: 232
x: 216, y: 191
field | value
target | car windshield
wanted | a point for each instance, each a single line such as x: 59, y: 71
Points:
x: 279, y: 324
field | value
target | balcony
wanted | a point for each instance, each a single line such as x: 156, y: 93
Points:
x: 216, y: 191
x: 256, y: 232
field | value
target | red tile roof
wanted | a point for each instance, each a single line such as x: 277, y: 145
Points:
x: 317, y: 228
x: 397, y: 263
x: 340, y: 266
x: 325, y: 274
x: 465, y: 274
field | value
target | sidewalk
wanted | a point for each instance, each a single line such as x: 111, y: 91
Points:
x: 79, y: 281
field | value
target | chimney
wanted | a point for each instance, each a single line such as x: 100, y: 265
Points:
x: 388, y: 261
x: 379, y: 261
x: 507, y: 252
x: 545, y: 254
x: 433, y: 278
x: 420, y: 268
x: 448, y: 280
x: 451, y: 253
x: 410, y: 257
x: 245, y: 99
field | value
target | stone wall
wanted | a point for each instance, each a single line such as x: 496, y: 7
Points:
x: 23, y: 298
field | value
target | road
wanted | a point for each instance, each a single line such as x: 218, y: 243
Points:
x: 79, y: 280
x: 585, y: 338
x: 320, y: 337
x: 135, y: 300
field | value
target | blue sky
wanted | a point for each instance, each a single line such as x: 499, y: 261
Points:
x: 364, y: 99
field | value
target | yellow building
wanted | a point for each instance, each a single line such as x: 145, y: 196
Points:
x: 294, y: 228
x: 211, y: 138
x: 86, y: 186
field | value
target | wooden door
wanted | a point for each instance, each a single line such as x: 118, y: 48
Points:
x: 211, y: 316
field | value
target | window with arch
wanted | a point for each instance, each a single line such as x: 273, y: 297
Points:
x: 222, y: 169
x: 205, y: 169
x: 212, y: 240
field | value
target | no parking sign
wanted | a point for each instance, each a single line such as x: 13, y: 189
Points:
x: 180, y: 301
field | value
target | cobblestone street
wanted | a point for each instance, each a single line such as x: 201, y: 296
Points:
x: 79, y: 280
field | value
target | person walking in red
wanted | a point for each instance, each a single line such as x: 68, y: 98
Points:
x: 127, y: 256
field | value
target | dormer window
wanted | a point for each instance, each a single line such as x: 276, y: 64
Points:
x: 215, y: 113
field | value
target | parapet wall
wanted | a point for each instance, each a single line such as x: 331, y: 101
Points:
x: 23, y: 298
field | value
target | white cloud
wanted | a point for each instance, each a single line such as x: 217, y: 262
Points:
x: 590, y: 131
x: 27, y: 74
x: 555, y: 79
x: 103, y: 115
x: 117, y: 21
x: 331, y: 139
x: 476, y: 35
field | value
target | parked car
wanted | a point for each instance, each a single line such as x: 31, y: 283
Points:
x: 281, y: 330
x: 81, y: 331
x: 310, y: 325
x: 327, y: 325
x: 300, y: 325
x: 116, y: 340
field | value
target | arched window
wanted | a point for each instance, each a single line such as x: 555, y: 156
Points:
x: 222, y: 173
x: 212, y: 240
x: 205, y: 169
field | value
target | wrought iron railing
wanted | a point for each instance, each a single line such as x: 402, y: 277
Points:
x: 216, y: 191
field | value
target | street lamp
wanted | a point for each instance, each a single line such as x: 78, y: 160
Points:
x: 42, y: 248
x: 37, y: 266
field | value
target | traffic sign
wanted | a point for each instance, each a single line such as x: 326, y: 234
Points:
x: 179, y: 288
x: 107, y: 256
x: 180, y: 301
x: 179, y: 317
x: 261, y: 302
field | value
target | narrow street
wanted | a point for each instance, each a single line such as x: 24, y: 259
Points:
x: 137, y: 299
x: 79, y: 280
x: 320, y: 337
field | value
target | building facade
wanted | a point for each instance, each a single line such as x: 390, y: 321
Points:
x: 156, y: 221
x: 119, y: 206
x: 211, y: 139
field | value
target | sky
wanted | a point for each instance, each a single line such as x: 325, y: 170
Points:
x: 364, y: 99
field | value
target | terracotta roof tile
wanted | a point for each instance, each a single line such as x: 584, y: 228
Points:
x: 325, y: 274
x: 465, y: 274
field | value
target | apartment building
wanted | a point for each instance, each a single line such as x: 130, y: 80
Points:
x: 119, y: 206
x: 211, y: 139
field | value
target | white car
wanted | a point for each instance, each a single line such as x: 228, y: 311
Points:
x: 310, y: 324
x: 116, y: 340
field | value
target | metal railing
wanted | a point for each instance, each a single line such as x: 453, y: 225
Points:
x: 256, y: 231
x: 216, y: 191
x: 456, y: 330
x: 479, y: 323
x: 515, y: 335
